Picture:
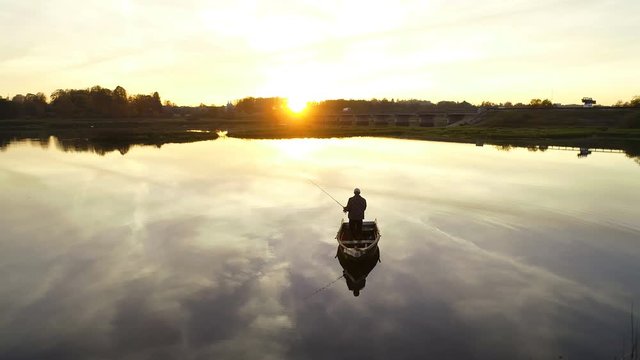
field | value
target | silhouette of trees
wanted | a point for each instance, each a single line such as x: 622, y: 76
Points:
x: 274, y: 105
x: 252, y: 105
x: 96, y: 102
x: 30, y: 105
x: 120, y: 102
x: 8, y: 109
x: 71, y: 103
x: 34, y: 105
x: 102, y: 102
x: 99, y: 102
x: 145, y: 105
x: 540, y: 103
x: 634, y: 102
x: 509, y: 104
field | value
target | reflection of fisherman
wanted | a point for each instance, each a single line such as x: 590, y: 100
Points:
x: 355, y: 271
x: 356, y: 206
x: 354, y: 285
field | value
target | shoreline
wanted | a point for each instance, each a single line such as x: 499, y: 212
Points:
x: 117, y: 134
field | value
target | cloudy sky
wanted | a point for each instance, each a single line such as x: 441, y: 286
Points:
x: 194, y: 51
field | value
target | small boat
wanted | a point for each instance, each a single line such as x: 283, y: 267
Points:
x: 357, y: 248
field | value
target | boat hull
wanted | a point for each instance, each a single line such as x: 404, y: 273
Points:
x: 358, y: 248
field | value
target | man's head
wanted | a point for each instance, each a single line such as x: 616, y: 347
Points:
x: 356, y: 191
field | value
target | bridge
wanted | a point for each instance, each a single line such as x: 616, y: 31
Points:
x: 424, y: 119
x: 573, y: 148
x: 585, y: 151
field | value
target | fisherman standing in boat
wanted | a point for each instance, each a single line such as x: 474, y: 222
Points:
x: 356, y: 207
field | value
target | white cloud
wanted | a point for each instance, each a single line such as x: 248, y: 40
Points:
x: 193, y: 51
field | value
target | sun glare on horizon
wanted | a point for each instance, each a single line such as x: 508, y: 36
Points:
x: 296, y: 105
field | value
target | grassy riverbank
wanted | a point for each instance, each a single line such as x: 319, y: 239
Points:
x: 611, y: 128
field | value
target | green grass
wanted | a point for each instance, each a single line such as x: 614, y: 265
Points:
x: 559, y: 117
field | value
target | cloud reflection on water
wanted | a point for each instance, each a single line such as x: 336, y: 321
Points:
x: 210, y: 249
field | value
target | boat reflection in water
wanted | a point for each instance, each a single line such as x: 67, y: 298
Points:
x: 355, y: 270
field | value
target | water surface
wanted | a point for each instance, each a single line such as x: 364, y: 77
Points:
x: 224, y: 249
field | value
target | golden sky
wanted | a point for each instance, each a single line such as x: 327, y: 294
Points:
x: 194, y: 51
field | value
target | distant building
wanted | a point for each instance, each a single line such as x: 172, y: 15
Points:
x: 588, y: 102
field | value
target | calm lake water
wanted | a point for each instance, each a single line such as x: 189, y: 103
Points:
x: 223, y: 249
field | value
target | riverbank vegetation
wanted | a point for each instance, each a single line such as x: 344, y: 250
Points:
x: 115, y: 120
x: 118, y: 134
x: 100, y: 102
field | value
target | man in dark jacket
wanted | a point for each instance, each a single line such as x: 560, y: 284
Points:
x: 356, y: 206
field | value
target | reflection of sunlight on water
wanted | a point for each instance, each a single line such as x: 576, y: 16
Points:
x: 299, y: 148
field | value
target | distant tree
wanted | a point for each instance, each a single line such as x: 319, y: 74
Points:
x: 34, y: 105
x: 245, y: 105
x: 504, y: 147
x: 82, y: 104
x: 18, y: 99
x: 145, y: 105
x: 141, y: 105
x: 454, y: 106
x: 540, y: 103
x: 487, y: 104
x: 446, y: 105
x: 101, y: 102
x: 263, y: 106
x: 156, y: 104
x: 508, y: 104
x: 62, y: 104
x: 635, y: 102
x: 8, y: 109
x: 119, y: 102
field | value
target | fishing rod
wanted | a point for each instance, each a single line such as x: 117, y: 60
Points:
x: 323, y: 288
x: 319, y: 187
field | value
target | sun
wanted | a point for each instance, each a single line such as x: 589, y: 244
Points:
x: 296, y: 105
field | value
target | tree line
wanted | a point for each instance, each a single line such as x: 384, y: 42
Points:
x: 95, y: 102
x: 253, y: 105
x: 634, y: 102
x: 99, y: 102
x: 268, y: 106
x: 535, y: 103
